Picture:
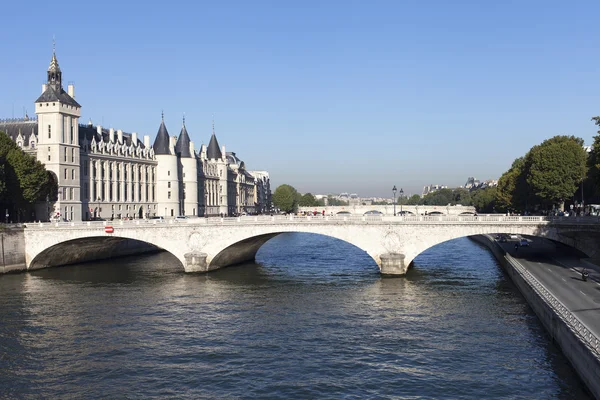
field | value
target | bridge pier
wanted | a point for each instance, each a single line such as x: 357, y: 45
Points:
x: 195, y: 262
x: 393, y: 264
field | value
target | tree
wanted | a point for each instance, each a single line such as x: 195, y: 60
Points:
x: 510, y: 185
x: 484, y: 200
x: 440, y: 197
x: 594, y: 159
x: 23, y: 180
x: 285, y: 198
x: 307, y: 200
x: 332, y: 201
x: 413, y: 200
x: 555, y: 169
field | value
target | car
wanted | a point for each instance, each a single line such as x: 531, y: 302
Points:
x: 157, y: 218
x: 181, y: 218
x: 524, y: 242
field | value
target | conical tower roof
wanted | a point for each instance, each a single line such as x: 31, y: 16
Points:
x: 161, y: 143
x: 182, y: 147
x: 213, y: 151
x: 54, y: 64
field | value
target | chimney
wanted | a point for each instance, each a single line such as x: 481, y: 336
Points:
x: 147, y: 141
x: 192, y: 148
x: 44, y: 87
x: 99, y: 130
x: 111, y: 135
x: 134, y: 139
x: 120, y: 136
x: 173, y: 141
x: 71, y: 90
x: 223, y: 153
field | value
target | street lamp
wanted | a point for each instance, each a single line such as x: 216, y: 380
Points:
x: 401, y: 194
x: 394, y: 191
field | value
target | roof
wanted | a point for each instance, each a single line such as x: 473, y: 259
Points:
x: 88, y: 132
x: 182, y: 147
x: 53, y: 94
x: 161, y: 143
x: 213, y: 151
x: 13, y: 127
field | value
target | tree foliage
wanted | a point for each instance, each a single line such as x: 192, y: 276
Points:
x: 484, y: 200
x: 594, y: 158
x: 413, y: 200
x: 23, y: 180
x: 285, y: 198
x: 307, y: 200
x: 555, y: 169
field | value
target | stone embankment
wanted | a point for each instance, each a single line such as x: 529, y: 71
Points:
x: 578, y: 344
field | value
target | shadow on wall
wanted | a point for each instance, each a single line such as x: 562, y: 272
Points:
x: 90, y: 249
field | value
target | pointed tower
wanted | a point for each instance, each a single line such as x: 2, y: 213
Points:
x: 58, y: 141
x: 167, y: 174
x: 188, y: 174
x: 216, y: 157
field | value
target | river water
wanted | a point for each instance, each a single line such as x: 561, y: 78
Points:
x: 313, y: 319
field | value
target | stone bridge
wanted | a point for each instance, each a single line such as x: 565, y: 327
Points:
x: 203, y: 245
x: 388, y: 209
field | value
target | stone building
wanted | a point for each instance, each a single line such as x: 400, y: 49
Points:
x: 107, y: 173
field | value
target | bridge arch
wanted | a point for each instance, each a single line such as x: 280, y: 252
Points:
x: 92, y: 248
x: 245, y: 250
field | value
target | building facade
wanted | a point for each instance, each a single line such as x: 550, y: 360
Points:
x: 109, y: 174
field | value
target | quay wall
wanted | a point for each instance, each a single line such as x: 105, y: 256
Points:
x: 582, y: 357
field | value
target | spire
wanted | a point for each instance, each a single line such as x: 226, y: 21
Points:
x: 54, y: 72
x: 182, y: 147
x: 213, y: 151
x: 161, y: 143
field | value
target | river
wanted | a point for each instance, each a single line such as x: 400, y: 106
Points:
x: 312, y: 319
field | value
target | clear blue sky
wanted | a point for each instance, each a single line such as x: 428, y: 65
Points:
x: 328, y: 96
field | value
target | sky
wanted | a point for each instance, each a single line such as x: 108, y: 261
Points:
x: 328, y: 96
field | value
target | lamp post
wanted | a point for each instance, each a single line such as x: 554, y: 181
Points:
x: 394, y: 191
x: 401, y: 194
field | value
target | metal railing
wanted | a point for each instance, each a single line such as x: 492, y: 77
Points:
x: 330, y: 219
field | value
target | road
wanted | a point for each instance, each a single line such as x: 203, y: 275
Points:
x: 559, y: 268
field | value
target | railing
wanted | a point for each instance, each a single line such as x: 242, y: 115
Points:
x: 332, y: 219
x: 578, y: 327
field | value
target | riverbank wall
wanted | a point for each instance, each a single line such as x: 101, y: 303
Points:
x: 14, y: 254
x: 577, y: 343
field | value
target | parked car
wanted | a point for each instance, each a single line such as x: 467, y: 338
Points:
x: 157, y: 218
x: 181, y: 218
x: 524, y: 242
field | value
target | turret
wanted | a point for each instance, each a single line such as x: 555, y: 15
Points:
x: 167, y: 175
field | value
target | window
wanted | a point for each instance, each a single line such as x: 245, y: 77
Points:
x: 32, y: 145
x: 71, y: 132
x: 65, y: 155
x: 65, y: 173
x: 73, y: 173
x: 71, y: 194
x: 72, y: 155
x: 168, y: 173
x: 168, y: 195
x: 85, y: 169
x: 171, y: 212
x: 169, y: 185
x: 20, y: 144
x: 49, y: 131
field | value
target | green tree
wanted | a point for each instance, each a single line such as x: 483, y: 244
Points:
x: 23, y: 180
x: 440, y: 197
x: 285, y: 198
x: 594, y: 159
x: 413, y: 200
x: 484, y: 200
x: 509, y: 196
x: 307, y: 200
x: 555, y: 169
x: 333, y: 201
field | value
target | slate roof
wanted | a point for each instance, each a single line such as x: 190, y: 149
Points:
x: 213, y: 151
x: 88, y: 132
x: 161, y: 143
x: 53, y: 94
x: 182, y: 147
x: 13, y: 127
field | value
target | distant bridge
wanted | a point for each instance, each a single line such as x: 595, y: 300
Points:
x: 388, y: 209
x: 205, y: 244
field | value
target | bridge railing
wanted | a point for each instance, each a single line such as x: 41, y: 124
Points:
x: 327, y: 219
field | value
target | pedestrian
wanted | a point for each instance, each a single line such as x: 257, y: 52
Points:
x: 323, y: 212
